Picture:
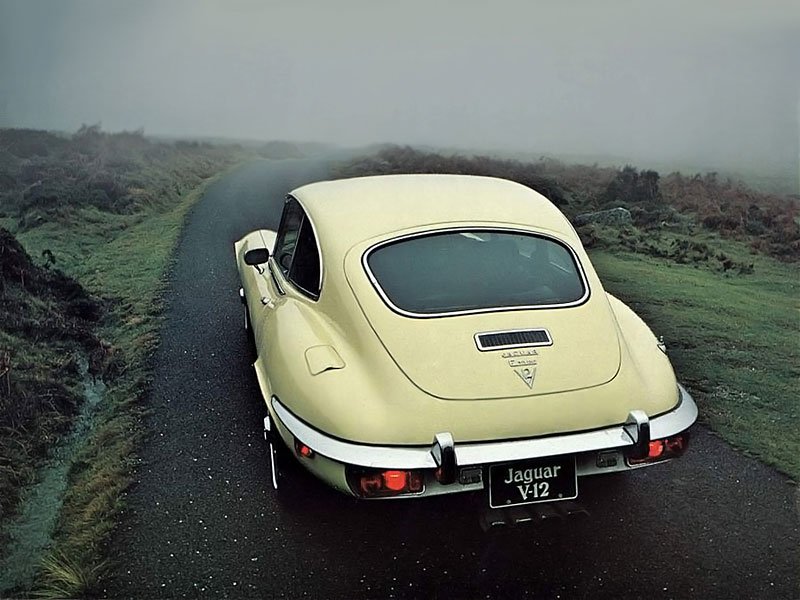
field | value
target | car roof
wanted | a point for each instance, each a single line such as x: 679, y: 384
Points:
x: 353, y: 210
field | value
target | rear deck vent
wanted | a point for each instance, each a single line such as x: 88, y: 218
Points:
x: 515, y: 338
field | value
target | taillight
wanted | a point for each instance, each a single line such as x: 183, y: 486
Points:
x: 663, y: 449
x: 677, y: 445
x: 378, y: 483
x: 396, y: 481
x: 370, y: 484
x: 656, y: 449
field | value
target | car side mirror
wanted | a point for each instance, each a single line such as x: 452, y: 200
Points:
x: 256, y: 256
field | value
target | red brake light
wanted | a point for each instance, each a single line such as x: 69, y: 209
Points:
x: 656, y: 449
x: 395, y: 480
x: 663, y: 449
x: 389, y: 482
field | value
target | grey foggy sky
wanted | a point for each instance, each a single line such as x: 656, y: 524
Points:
x: 711, y: 82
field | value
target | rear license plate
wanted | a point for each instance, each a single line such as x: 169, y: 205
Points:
x: 546, y: 479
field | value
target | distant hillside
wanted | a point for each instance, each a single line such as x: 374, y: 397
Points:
x: 767, y: 177
x: 45, y: 176
x: 769, y: 223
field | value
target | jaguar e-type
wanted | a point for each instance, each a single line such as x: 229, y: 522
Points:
x: 419, y: 335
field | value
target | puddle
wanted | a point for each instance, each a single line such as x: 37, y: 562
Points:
x: 30, y: 531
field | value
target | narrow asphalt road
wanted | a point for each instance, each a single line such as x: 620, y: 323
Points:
x: 203, y: 521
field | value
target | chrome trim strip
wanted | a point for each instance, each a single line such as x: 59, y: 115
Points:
x: 483, y: 348
x: 303, y: 292
x: 420, y: 457
x: 273, y: 467
x: 601, y: 439
x: 278, y: 286
x: 677, y: 420
x: 443, y: 452
x: 364, y: 258
x: 387, y: 457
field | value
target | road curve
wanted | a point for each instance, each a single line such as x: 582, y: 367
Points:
x: 203, y: 521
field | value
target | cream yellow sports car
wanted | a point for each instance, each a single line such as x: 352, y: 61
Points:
x: 429, y: 334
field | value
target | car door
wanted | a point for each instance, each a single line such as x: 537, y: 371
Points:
x: 293, y: 273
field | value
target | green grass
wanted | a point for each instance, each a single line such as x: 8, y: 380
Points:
x: 124, y: 260
x: 734, y: 340
x: 121, y: 258
x: 63, y: 578
x: 107, y: 210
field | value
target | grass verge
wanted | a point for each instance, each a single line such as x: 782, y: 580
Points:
x: 127, y: 267
x: 733, y: 339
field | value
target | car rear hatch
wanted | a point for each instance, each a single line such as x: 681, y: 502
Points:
x: 495, y: 354
x: 441, y: 355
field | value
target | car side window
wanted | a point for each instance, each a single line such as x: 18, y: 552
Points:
x: 288, y: 230
x: 304, y: 272
x: 296, y: 250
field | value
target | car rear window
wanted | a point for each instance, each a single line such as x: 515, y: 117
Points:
x: 475, y: 270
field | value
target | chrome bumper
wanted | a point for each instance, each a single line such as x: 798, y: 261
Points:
x: 636, y: 433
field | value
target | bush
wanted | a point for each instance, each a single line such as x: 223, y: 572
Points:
x: 770, y: 222
x: 45, y: 178
x: 397, y: 159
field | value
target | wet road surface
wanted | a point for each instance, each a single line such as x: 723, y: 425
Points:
x: 203, y: 521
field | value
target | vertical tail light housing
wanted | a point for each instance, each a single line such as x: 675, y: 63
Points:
x: 663, y: 449
x: 383, y: 483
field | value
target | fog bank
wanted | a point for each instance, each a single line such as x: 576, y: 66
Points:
x: 712, y: 83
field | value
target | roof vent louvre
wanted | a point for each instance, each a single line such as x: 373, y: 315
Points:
x: 515, y: 338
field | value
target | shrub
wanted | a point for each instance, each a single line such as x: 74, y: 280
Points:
x: 404, y: 159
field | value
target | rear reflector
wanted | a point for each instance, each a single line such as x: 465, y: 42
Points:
x: 302, y: 450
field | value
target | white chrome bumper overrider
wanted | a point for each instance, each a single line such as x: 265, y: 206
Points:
x: 631, y: 434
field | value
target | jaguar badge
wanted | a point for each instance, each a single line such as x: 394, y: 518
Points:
x: 527, y: 375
